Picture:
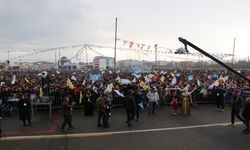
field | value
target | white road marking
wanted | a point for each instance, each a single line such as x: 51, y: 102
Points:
x: 80, y: 135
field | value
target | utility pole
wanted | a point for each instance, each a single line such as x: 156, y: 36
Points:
x: 115, y: 43
x: 233, y: 53
x: 155, y: 56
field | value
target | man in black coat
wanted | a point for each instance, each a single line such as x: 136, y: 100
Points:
x: 24, y: 107
x: 236, y: 107
x: 138, y: 100
x: 246, y: 115
x: 130, y: 106
x: 67, y: 113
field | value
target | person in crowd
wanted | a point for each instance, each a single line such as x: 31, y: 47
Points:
x: 175, y: 105
x: 219, y: 97
x: 138, y: 101
x: 246, y: 115
x: 236, y: 107
x: 102, y: 114
x: 130, y: 106
x: 153, y: 99
x: 24, y: 107
x: 67, y: 110
x: 88, y: 101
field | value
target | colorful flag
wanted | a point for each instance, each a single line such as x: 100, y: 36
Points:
x: 41, y: 92
x: 69, y: 84
x: 80, y: 98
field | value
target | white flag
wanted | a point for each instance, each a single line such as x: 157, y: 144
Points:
x: 13, y: 79
x: 73, y: 78
x: 109, y: 88
x: 119, y: 93
x: 84, y: 82
x: 134, y: 80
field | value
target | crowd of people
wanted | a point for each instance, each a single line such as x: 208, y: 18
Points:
x: 133, y: 90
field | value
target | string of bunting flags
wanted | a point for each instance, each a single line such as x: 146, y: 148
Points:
x: 161, y: 50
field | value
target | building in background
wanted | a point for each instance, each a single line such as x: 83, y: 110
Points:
x: 101, y: 62
x: 65, y: 64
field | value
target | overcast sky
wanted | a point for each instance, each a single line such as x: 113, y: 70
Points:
x: 210, y: 24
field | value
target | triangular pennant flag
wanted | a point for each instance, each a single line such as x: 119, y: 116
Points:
x: 69, y: 84
x: 125, y: 42
x: 131, y: 44
x: 73, y: 78
x: 142, y: 45
x: 13, y: 81
x: 138, y: 45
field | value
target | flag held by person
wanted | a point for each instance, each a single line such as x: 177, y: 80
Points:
x: 69, y: 84
x: 13, y: 79
x: 41, y: 92
x: 73, y: 78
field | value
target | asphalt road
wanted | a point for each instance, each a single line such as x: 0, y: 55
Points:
x: 204, y: 129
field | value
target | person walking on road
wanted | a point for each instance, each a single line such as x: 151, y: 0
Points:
x: 102, y: 114
x: 236, y: 107
x: 67, y: 110
x: 130, y: 106
x: 246, y: 115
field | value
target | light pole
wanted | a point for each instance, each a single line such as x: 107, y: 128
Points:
x: 155, y: 56
x: 115, y: 43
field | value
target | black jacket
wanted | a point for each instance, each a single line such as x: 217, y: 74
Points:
x: 24, y: 107
x: 129, y: 103
x: 246, y: 111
